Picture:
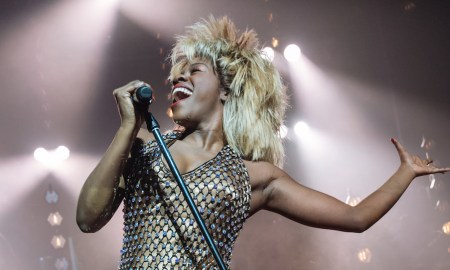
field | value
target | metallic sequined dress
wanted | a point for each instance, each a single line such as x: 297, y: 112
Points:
x: 159, y: 229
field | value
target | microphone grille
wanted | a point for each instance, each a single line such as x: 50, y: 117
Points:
x: 144, y: 94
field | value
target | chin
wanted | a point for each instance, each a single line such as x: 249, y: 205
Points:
x: 180, y: 123
x: 179, y: 128
x: 185, y: 125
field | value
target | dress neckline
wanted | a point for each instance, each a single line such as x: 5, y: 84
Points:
x: 172, y: 140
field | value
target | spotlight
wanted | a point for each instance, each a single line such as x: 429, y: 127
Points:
x: 365, y: 255
x: 442, y: 206
x: 268, y: 53
x: 352, y: 201
x: 53, y: 157
x: 292, y: 53
x: 432, y: 181
x: 446, y: 228
x: 62, y: 152
x: 301, y: 128
x: 55, y: 219
x: 40, y: 154
x: 58, y: 241
x: 51, y: 196
x: 274, y: 42
x: 61, y: 264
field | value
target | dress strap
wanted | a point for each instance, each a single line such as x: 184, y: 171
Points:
x: 171, y: 137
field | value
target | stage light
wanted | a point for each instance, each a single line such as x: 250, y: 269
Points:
x: 442, y: 206
x: 51, y: 196
x: 55, y: 219
x: 292, y: 53
x: 432, y: 181
x: 365, y: 255
x: 61, y: 264
x: 426, y: 144
x: 62, y: 152
x: 274, y: 42
x: 58, y: 241
x: 40, y: 154
x: 301, y: 128
x: 53, y: 157
x: 268, y: 53
x: 283, y: 131
x: 446, y: 228
x: 410, y: 6
x: 352, y: 200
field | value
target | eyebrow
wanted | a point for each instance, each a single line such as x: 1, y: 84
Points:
x: 198, y: 63
x: 187, y: 64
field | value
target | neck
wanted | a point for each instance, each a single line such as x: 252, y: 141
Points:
x: 206, y: 134
x: 207, y: 139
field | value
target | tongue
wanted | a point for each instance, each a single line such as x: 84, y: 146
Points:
x: 181, y: 95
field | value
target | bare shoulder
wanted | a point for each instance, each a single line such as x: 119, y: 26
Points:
x: 261, y: 174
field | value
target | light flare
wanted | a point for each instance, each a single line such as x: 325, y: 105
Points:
x: 292, y: 53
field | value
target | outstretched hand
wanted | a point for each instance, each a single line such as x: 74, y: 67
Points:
x: 416, y: 164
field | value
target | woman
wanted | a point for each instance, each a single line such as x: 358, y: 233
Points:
x: 229, y: 101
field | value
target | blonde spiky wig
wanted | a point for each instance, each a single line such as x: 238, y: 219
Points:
x: 255, y: 106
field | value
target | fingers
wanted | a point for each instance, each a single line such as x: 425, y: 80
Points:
x: 440, y: 170
x: 130, y: 115
x: 398, y: 146
x: 434, y: 169
x: 420, y: 166
x: 125, y: 94
x: 128, y: 89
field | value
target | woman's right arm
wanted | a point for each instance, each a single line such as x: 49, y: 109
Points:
x: 103, y: 190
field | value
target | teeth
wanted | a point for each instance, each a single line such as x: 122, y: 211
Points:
x: 182, y: 90
x: 181, y: 93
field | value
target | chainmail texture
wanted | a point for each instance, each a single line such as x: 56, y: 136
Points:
x: 160, y: 231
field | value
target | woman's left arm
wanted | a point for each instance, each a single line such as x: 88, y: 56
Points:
x: 285, y: 196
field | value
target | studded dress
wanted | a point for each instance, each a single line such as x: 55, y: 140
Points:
x: 160, y: 231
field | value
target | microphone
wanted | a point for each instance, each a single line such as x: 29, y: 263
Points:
x: 143, y: 95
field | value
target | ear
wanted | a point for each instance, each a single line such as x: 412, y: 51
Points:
x: 223, y: 94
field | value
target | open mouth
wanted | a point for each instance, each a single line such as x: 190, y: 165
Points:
x: 180, y: 93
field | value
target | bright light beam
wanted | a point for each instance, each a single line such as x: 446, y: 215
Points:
x: 301, y: 129
x: 343, y: 132
x: 58, y: 51
x: 292, y: 53
x: 53, y: 157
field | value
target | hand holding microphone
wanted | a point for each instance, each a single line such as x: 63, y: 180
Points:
x: 133, y: 100
x: 143, y: 95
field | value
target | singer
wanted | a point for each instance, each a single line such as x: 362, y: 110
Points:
x: 229, y: 104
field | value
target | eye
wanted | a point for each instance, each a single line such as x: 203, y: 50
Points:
x: 195, y: 70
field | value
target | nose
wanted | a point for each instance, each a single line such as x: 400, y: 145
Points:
x: 179, y: 77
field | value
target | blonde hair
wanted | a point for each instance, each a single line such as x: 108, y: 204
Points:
x: 255, y: 106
